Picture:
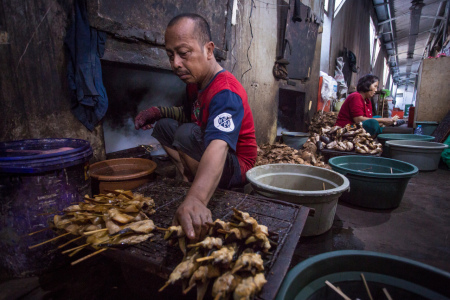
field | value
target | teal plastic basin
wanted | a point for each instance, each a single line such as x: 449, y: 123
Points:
x: 372, y: 183
x: 382, y: 138
x: 403, y: 278
x: 428, y: 127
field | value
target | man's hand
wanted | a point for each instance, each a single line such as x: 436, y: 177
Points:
x: 192, y: 215
x: 146, y: 118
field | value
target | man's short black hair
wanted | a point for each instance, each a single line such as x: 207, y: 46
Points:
x: 201, y: 29
x: 365, y: 82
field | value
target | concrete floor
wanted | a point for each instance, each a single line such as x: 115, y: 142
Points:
x: 418, y: 229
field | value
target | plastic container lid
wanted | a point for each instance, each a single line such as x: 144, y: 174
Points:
x: 42, y: 155
x: 427, y: 122
x: 398, y: 136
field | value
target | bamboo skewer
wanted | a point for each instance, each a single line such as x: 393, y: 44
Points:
x: 32, y: 233
x: 51, y: 240
x: 119, y: 193
x: 164, y: 286
x: 88, y: 256
x: 237, y: 269
x: 367, y: 287
x: 75, y: 252
x: 387, y: 294
x: 71, y: 241
x: 204, y: 258
x: 391, y: 170
x: 188, y: 289
x: 337, y: 291
x: 162, y: 229
x: 323, y: 183
x: 95, y: 231
x: 75, y: 248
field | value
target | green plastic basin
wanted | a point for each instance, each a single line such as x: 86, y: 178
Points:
x: 428, y: 127
x: 382, y: 138
x: 403, y: 278
x: 375, y: 182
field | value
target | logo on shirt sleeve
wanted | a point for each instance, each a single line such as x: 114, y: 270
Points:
x: 224, y: 122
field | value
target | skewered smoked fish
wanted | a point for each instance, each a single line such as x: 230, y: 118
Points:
x: 178, y: 230
x: 225, y: 285
x: 224, y: 255
x: 216, y: 225
x: 183, y: 271
x: 208, y: 243
x: 261, y: 240
x: 127, y: 240
x: 201, y: 278
x: 248, y: 262
x: 236, y: 234
x: 249, y: 286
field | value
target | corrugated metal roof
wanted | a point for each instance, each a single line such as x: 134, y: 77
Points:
x: 407, y: 28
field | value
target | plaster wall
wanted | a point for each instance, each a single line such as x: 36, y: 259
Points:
x: 34, y: 96
x: 255, y: 71
x: 432, y: 103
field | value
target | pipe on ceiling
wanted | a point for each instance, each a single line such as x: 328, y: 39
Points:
x: 416, y: 11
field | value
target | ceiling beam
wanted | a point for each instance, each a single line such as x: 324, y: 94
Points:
x: 392, y: 19
x: 432, y: 30
x: 432, y: 17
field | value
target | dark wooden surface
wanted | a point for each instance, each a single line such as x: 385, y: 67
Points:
x: 301, y: 43
x: 157, y: 257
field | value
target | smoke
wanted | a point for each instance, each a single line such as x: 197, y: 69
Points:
x: 127, y: 137
x: 130, y: 90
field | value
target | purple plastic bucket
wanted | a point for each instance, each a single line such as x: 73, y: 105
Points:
x: 38, y: 178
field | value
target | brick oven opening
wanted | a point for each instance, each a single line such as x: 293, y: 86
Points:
x: 291, y: 111
x: 130, y: 89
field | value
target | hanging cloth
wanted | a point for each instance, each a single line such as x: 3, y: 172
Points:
x: 86, y: 46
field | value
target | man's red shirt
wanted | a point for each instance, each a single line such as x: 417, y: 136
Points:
x: 225, y: 96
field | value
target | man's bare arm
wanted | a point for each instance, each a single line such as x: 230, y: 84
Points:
x: 193, y: 212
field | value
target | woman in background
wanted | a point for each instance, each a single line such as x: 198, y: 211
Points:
x: 358, y: 107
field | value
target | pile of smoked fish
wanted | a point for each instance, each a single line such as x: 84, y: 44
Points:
x: 231, y: 257
x: 114, y: 219
x: 348, y: 138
